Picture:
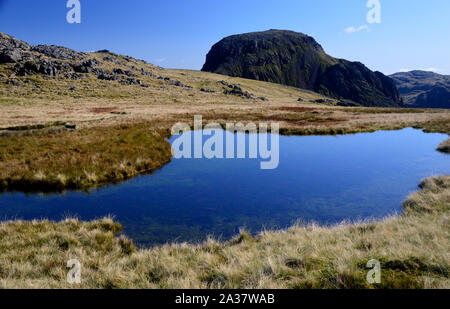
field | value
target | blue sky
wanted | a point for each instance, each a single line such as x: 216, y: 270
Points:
x: 413, y: 34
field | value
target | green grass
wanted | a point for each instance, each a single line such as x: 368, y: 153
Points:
x: 412, y: 249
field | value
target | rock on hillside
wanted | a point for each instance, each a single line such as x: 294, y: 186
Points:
x: 58, y: 52
x: 11, y: 49
x: 424, y: 89
x: 19, y: 58
x: 295, y: 59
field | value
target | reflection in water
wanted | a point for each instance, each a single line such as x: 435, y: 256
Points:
x: 321, y: 179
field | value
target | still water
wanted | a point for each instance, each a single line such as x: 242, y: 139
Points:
x: 321, y: 179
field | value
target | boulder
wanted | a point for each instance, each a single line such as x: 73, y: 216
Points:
x: 207, y: 90
x: 87, y: 66
x: 10, y: 55
x: 108, y: 76
x: 131, y: 81
x: 123, y: 72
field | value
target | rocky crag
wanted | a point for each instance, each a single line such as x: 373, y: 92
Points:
x: 295, y: 59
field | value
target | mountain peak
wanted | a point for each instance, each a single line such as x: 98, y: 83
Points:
x: 296, y: 59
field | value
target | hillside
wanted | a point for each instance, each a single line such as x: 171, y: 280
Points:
x: 43, y: 85
x: 295, y: 59
x: 424, y: 89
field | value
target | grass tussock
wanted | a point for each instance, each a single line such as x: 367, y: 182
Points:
x: 82, y: 159
x: 435, y: 126
x: 444, y: 146
x: 412, y: 249
x: 434, y: 197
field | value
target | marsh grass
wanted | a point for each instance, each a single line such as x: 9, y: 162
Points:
x: 412, y: 249
x: 444, y: 146
x: 81, y: 160
x: 51, y: 158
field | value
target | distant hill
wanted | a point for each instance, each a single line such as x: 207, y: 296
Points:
x: 424, y: 89
x: 295, y: 59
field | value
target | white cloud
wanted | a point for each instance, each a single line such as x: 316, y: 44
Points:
x: 160, y: 60
x: 354, y: 30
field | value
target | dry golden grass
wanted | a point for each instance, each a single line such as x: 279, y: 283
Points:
x: 412, y: 249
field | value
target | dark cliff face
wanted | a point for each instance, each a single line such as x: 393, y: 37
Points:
x: 275, y: 56
x: 424, y: 89
x: 295, y: 59
x: 354, y: 81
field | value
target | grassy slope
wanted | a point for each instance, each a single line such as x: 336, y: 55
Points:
x: 412, y: 248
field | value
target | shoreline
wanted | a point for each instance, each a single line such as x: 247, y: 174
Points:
x: 120, y: 167
x: 34, y: 253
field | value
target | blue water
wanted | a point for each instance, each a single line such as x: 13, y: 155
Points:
x: 320, y: 179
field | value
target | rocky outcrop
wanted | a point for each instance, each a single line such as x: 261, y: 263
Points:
x: 58, y: 52
x: 176, y: 83
x: 231, y: 89
x: 10, y: 56
x: 123, y: 72
x: 9, y: 42
x: 86, y: 66
x: 42, y: 66
x: 11, y: 49
x: 295, y: 59
x: 60, y: 62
